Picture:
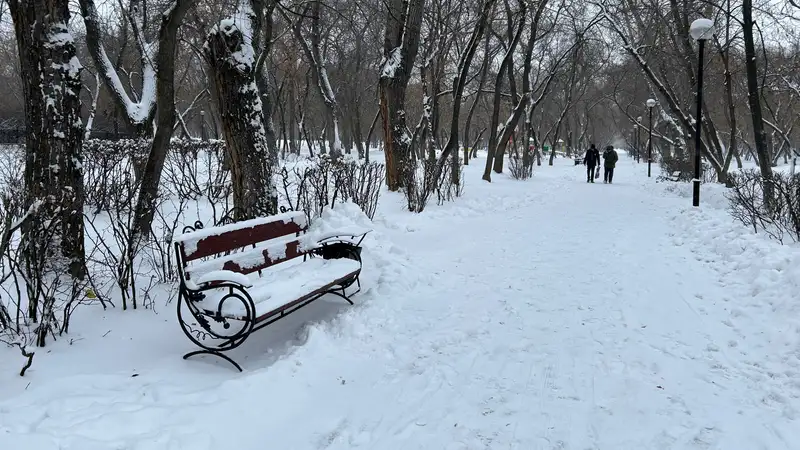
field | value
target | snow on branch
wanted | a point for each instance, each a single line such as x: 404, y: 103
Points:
x: 138, y: 112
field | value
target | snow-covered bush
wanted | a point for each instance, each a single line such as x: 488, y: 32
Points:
x: 194, y: 168
x: 778, y: 217
x: 324, y: 182
x: 685, y: 169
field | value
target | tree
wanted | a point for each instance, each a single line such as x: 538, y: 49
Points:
x: 231, y: 57
x: 754, y: 98
x: 514, y: 38
x: 165, y: 96
x: 400, y: 45
x: 51, y: 87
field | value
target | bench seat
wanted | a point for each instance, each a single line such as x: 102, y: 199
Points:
x: 279, y: 288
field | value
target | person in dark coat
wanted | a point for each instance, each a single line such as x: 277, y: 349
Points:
x: 591, y: 160
x: 610, y: 158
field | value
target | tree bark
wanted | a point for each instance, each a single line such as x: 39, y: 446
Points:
x: 754, y: 99
x: 263, y: 10
x: 493, y: 131
x: 51, y: 82
x: 400, y: 46
x: 232, y: 69
x: 165, y: 102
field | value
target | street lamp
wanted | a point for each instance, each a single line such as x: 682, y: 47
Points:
x: 650, y: 104
x: 634, y: 138
x: 701, y: 31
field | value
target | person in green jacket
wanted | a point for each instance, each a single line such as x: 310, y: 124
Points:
x: 610, y: 159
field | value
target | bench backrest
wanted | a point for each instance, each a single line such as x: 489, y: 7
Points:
x: 244, y: 247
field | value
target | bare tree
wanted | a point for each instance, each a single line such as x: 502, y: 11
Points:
x: 514, y: 38
x: 754, y: 98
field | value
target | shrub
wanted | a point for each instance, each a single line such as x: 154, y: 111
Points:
x: 779, y: 216
x: 323, y: 181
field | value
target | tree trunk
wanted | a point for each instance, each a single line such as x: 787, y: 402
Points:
x: 263, y: 11
x: 229, y: 53
x: 459, y: 83
x: 401, y: 42
x: 754, y: 100
x: 51, y: 84
x: 165, y: 102
x: 493, y: 131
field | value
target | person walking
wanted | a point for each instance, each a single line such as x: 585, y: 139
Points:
x: 610, y: 158
x: 591, y: 160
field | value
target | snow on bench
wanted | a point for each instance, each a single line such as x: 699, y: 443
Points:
x: 238, y: 278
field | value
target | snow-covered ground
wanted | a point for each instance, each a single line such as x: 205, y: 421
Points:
x: 544, y: 314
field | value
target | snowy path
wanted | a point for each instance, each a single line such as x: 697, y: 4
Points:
x: 545, y: 315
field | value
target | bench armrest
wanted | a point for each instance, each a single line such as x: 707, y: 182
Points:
x: 224, y: 276
x: 352, y: 236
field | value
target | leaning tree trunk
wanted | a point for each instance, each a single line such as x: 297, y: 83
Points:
x: 165, y: 103
x: 51, y: 85
x: 493, y: 132
x: 229, y: 52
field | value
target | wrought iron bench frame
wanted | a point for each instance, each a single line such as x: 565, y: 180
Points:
x: 332, y: 246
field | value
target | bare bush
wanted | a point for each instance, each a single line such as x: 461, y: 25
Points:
x: 196, y: 170
x: 106, y: 161
x: 418, y: 178
x: 521, y: 166
x: 450, y: 187
x: 323, y: 181
x: 779, y: 216
x: 684, y: 168
x: 113, y: 251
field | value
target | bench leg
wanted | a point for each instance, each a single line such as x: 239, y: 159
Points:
x: 210, y: 352
x: 341, y: 294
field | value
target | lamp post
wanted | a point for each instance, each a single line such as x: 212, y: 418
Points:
x: 638, y: 138
x: 635, y: 143
x: 701, y: 30
x: 650, y: 104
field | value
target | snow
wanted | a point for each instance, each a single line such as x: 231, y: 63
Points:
x: 549, y: 313
x: 701, y: 29
x: 225, y: 275
x: 392, y: 63
x: 244, y: 58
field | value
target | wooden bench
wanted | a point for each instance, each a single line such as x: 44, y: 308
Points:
x: 578, y: 161
x: 238, y: 278
x: 675, y: 176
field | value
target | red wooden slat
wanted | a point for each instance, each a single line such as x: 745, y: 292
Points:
x: 292, y: 251
x: 230, y: 240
